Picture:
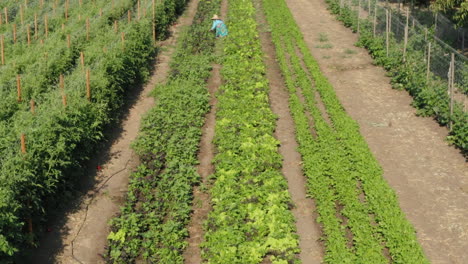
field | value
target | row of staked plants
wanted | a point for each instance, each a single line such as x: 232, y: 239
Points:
x: 152, y: 223
x: 40, y: 63
x: 358, y: 211
x: 251, y: 221
x: 59, y: 138
x: 430, y: 96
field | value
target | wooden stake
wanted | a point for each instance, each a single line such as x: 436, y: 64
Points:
x: 46, y: 25
x: 387, y: 31
x: 406, y: 35
x: 452, y: 89
x: 29, y: 35
x: 33, y: 106
x: 6, y: 15
x: 66, y: 10
x: 428, y: 69
x: 21, y: 14
x: 2, y: 46
x: 138, y: 9
x: 154, y: 11
x: 18, y: 86
x: 405, y: 43
x: 129, y: 14
x: 87, y: 28
x: 88, y: 85
x: 82, y: 59
x: 23, y: 143
x: 100, y: 12
x: 61, y: 83
x: 407, y: 16
x: 154, y: 33
x: 64, y: 100
x: 35, y: 25
x: 122, y: 35
x: 375, y: 18
x: 26, y: 4
x: 1, y: 19
x: 116, y: 26
x: 390, y: 21
x: 14, y: 33
x: 81, y: 2
x: 359, y: 17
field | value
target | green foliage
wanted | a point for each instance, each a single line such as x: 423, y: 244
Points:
x: 152, y: 224
x: 457, y: 8
x: 59, y: 139
x: 429, y: 96
x: 358, y: 211
x: 250, y: 220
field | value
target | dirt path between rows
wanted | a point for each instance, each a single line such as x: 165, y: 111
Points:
x: 201, y: 197
x: 304, y: 210
x: 82, y: 236
x: 429, y: 177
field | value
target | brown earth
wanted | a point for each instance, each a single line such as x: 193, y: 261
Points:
x: 429, y: 176
x: 304, y: 210
x: 201, y: 200
x: 81, y: 236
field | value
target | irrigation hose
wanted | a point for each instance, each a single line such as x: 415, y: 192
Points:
x: 87, y: 208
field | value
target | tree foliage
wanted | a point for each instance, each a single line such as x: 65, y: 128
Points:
x: 458, y: 9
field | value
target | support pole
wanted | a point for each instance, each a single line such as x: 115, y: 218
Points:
x: 387, y: 31
x: 2, y: 47
x: 452, y: 89
x: 33, y: 106
x: 428, y: 69
x: 18, y: 86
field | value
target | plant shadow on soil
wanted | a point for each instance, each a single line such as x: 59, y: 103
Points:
x: 88, y: 181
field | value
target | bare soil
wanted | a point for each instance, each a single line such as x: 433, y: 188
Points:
x: 81, y: 236
x: 201, y: 200
x: 304, y: 210
x: 429, y: 176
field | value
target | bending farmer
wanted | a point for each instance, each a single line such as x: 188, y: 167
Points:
x: 218, y: 24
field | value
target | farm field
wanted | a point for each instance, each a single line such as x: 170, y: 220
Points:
x: 133, y: 135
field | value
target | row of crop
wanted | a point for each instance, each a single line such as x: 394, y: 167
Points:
x: 152, y: 224
x: 430, y: 95
x: 59, y: 138
x: 39, y: 65
x: 359, y: 212
x: 251, y: 219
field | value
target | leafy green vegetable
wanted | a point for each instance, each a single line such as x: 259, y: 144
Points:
x: 250, y: 220
x: 359, y: 212
x: 152, y: 224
